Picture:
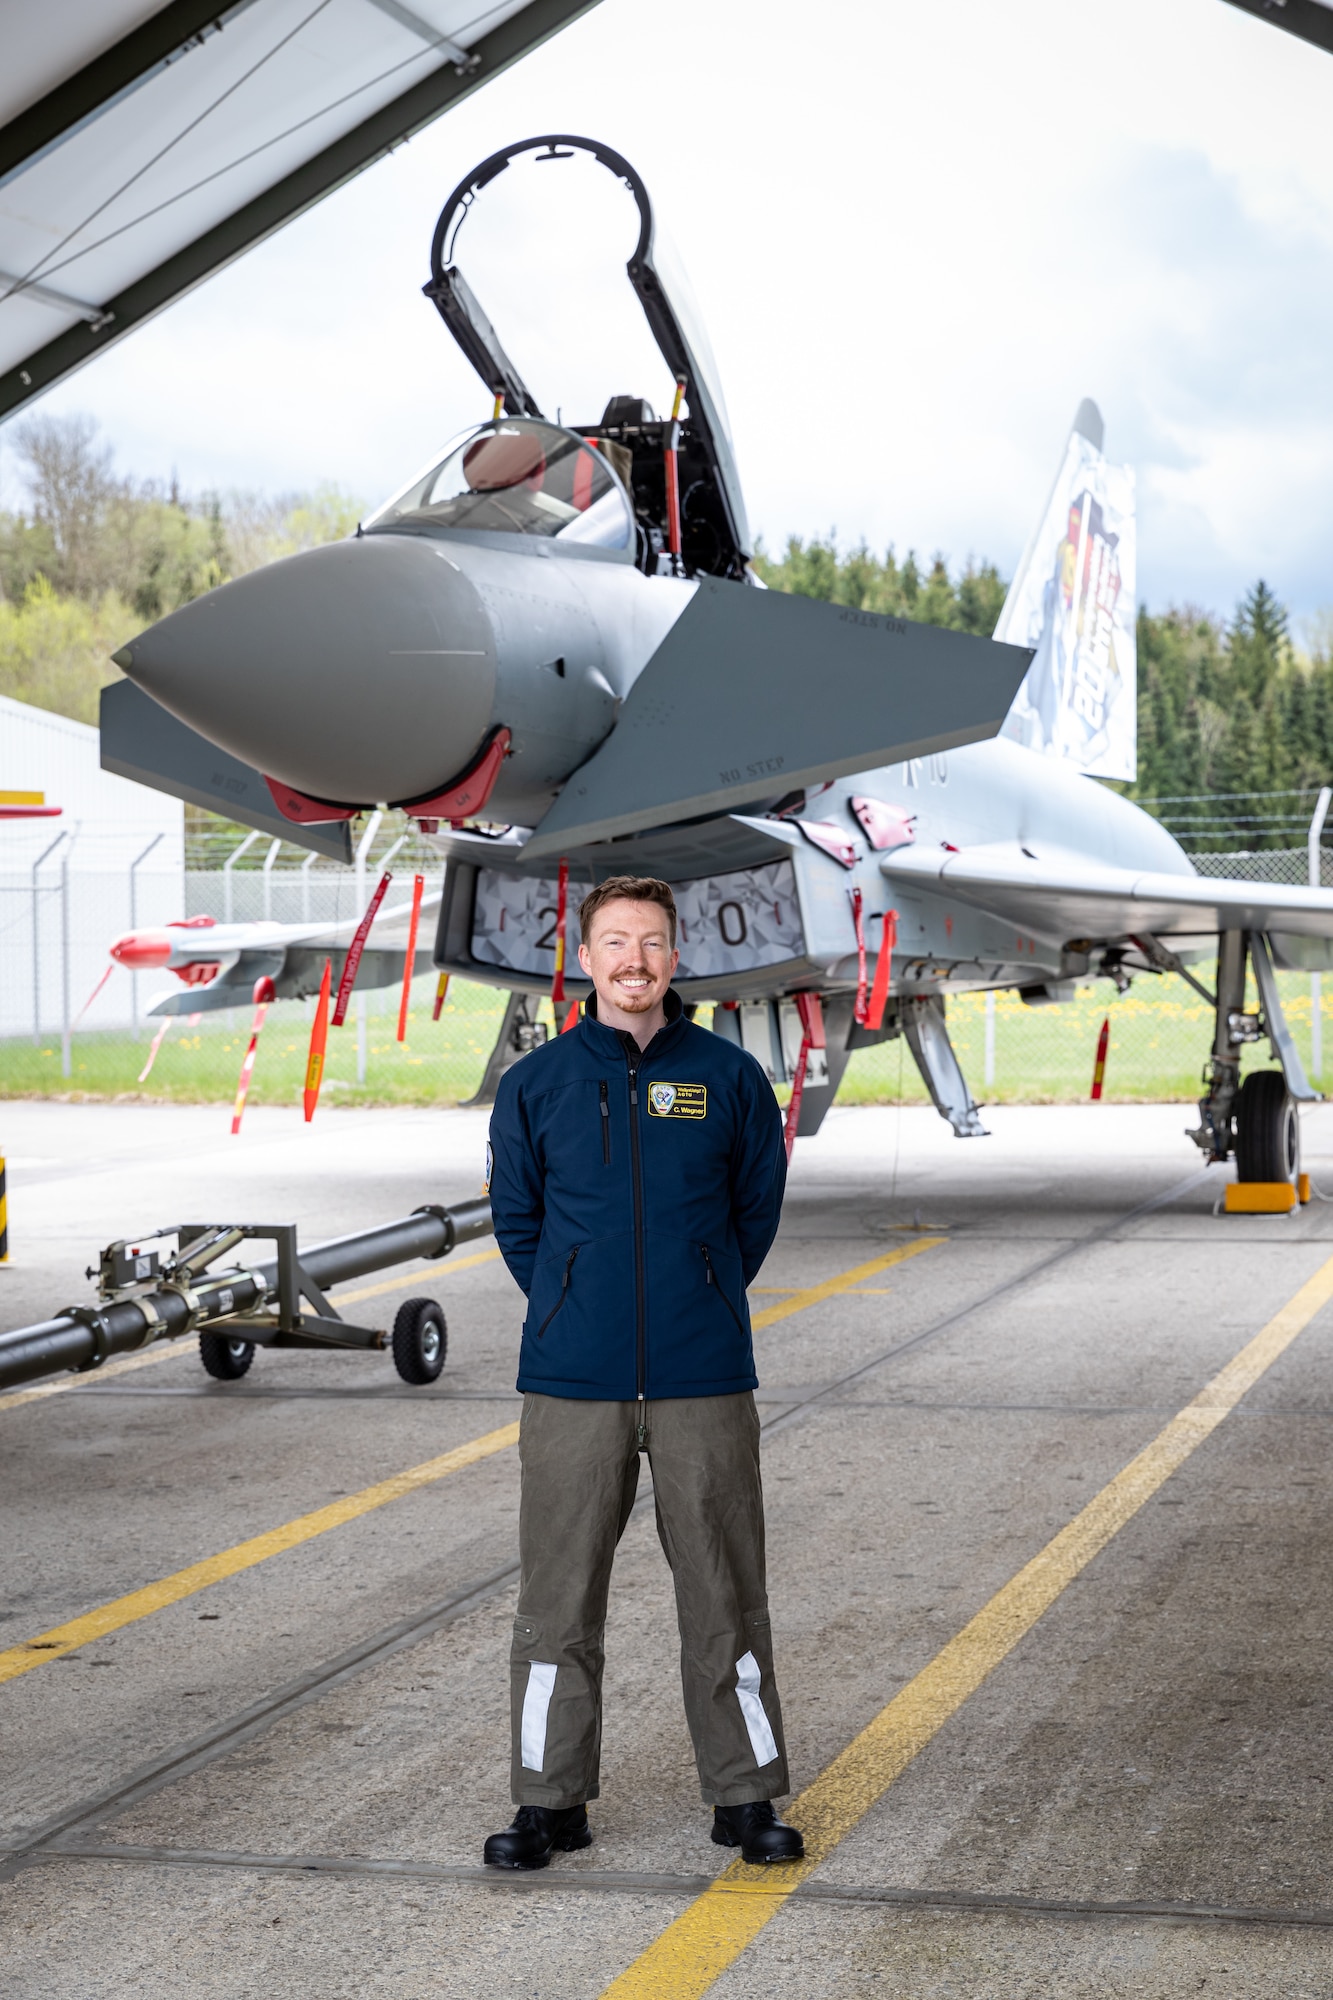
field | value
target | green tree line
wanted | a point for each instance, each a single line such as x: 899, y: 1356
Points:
x: 1225, y: 705
x: 89, y: 557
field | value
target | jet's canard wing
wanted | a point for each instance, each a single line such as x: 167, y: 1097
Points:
x: 143, y: 741
x: 754, y: 693
x: 1063, y: 895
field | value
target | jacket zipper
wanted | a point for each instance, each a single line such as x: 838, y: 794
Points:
x: 602, y: 1090
x: 640, y: 1290
x: 722, y: 1288
x: 564, y: 1287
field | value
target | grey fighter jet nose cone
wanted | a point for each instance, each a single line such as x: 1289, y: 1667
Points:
x: 359, y: 672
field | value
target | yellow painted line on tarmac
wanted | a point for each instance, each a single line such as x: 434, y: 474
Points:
x: 846, y: 1281
x: 128, y: 1363
x: 710, y: 1935
x: 138, y: 1604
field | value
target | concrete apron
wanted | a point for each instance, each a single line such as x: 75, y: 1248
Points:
x: 1155, y: 1739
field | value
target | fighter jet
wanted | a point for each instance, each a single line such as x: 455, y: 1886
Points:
x: 218, y: 964
x: 549, y: 648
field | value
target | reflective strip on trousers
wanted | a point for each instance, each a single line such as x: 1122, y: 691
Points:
x: 536, y: 1702
x: 752, y: 1708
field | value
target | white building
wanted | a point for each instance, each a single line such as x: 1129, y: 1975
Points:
x: 115, y: 858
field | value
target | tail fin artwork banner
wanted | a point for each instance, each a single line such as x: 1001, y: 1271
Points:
x: 1073, y: 600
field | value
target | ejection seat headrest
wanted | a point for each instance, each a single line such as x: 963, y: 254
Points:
x: 504, y: 458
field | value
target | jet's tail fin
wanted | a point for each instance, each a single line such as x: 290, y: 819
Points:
x: 1072, y: 598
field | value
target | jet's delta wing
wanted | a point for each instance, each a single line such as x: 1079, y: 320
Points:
x: 1067, y: 895
x: 753, y: 692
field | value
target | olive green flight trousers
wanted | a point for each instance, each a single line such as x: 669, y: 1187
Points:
x: 580, y: 1471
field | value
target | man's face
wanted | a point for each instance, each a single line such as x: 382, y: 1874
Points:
x: 628, y: 956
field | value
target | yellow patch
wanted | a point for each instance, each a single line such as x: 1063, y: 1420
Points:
x: 678, y: 1100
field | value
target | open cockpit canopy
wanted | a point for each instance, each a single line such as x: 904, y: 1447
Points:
x: 144, y: 144
x: 714, y: 532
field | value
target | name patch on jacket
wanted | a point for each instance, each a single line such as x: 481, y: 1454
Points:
x: 678, y: 1100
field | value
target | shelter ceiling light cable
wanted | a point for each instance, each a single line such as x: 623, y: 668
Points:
x: 45, y: 263
x: 30, y: 289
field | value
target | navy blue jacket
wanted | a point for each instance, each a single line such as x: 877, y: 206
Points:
x: 635, y: 1196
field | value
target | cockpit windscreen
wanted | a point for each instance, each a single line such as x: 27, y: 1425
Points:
x: 517, y: 477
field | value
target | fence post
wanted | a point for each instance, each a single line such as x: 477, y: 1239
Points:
x: 269, y: 860
x: 989, y: 1070
x: 64, y: 964
x: 227, y: 867
x: 306, y: 867
x: 1316, y: 1001
x: 36, y: 937
x: 134, y: 925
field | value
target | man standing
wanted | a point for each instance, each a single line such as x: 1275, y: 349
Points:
x: 636, y: 1177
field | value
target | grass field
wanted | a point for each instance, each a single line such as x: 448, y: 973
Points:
x: 1160, y: 1033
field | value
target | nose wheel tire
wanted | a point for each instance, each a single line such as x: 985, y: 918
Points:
x: 1267, y: 1141
x: 225, y: 1360
x: 420, y: 1341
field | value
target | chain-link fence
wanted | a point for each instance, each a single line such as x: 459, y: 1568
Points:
x: 1160, y: 1030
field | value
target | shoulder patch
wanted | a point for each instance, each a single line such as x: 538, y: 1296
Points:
x: 490, y: 1167
x: 677, y: 1100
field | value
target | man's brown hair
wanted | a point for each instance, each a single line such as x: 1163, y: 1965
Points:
x: 632, y: 889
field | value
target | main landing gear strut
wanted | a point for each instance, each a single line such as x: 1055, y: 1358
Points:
x: 1256, y: 1120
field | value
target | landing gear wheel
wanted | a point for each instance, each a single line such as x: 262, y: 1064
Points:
x: 225, y: 1360
x: 1266, y: 1134
x: 420, y: 1341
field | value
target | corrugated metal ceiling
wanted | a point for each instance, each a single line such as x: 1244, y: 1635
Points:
x: 144, y: 146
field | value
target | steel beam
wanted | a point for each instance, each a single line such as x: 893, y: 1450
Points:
x: 292, y: 196
x: 109, y: 78
x: 1303, y: 18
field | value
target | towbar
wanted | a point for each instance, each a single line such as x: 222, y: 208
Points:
x: 188, y: 1295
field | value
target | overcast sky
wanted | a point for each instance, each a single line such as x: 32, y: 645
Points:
x: 918, y: 234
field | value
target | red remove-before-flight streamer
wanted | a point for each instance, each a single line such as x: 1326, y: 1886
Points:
x: 319, y: 1042
x: 879, y: 992
x: 355, y: 949
x: 561, y: 903
x: 418, y: 884
x: 1099, y: 1067
x: 265, y: 994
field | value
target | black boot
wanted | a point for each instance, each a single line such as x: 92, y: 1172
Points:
x: 758, y: 1832
x: 528, y: 1842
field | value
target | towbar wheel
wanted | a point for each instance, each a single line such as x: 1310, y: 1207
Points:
x: 225, y: 1360
x: 420, y: 1341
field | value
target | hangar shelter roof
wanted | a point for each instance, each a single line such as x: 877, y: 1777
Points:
x: 146, y: 143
